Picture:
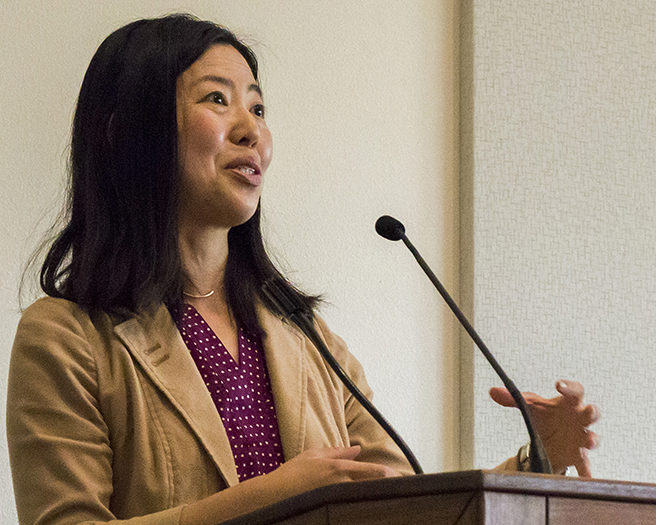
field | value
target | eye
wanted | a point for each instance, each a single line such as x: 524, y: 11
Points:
x: 216, y: 97
x: 258, y: 110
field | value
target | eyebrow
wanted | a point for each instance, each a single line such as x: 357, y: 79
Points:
x: 227, y: 82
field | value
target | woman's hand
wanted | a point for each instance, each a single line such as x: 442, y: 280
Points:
x: 310, y: 470
x: 324, y: 466
x: 562, y: 423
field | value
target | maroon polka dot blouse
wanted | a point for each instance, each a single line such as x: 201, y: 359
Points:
x: 241, y: 392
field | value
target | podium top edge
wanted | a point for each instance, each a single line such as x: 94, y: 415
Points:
x: 472, y: 481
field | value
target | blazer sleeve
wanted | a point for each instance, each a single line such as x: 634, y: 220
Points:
x: 60, y: 454
x: 363, y: 429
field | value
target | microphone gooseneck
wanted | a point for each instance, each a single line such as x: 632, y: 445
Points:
x: 392, y: 229
x: 288, y: 305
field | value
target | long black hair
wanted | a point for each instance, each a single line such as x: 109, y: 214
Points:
x: 119, y: 248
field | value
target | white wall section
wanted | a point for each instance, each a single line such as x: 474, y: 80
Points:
x: 362, y: 105
x: 559, y: 230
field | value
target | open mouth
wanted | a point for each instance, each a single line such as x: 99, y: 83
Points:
x: 250, y: 176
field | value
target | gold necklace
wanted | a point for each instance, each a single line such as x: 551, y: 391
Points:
x: 204, y: 296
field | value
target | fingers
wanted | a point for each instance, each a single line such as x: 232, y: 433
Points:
x: 591, y: 440
x: 363, y: 471
x: 573, y: 392
x: 590, y: 415
x: 338, y: 464
x: 583, y: 465
x: 502, y: 397
x: 570, y: 389
x: 316, y: 468
x: 348, y: 453
x: 563, y: 420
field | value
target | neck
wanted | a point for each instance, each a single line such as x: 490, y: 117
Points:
x: 203, y: 255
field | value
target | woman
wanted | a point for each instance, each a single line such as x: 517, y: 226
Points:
x: 154, y: 384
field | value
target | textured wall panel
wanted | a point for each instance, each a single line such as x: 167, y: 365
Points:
x: 558, y: 226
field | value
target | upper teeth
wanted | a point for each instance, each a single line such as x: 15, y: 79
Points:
x: 246, y: 169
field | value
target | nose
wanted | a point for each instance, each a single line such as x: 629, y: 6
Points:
x: 245, y: 128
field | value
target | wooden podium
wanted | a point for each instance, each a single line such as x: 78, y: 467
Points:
x: 466, y: 498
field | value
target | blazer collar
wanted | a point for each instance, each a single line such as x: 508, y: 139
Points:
x: 156, y: 344
x: 284, y: 351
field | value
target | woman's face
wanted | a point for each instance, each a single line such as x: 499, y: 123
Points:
x: 224, y: 144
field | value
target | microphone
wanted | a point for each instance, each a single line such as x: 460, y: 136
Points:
x: 392, y: 229
x: 277, y: 291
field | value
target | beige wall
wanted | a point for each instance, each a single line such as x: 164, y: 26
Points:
x: 361, y: 100
x: 558, y: 233
x: 559, y: 229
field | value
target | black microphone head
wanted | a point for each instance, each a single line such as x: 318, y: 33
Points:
x: 390, y: 228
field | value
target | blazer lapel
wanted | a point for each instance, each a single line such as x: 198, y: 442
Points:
x: 284, y: 349
x: 155, y: 343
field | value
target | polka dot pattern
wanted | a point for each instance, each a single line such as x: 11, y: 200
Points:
x: 241, y: 392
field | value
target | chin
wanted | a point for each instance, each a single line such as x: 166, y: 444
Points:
x: 242, y: 217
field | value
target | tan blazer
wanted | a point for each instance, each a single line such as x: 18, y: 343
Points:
x: 111, y: 420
